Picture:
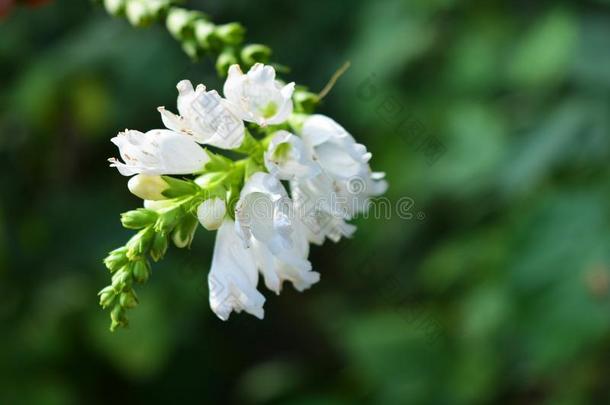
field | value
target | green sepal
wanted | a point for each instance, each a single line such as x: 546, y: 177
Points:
x: 178, y: 187
x: 217, y: 163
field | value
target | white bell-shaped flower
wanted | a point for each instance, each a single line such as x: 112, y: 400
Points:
x: 157, y: 152
x: 345, y: 162
x: 211, y: 213
x: 321, y: 209
x: 205, y: 116
x: 233, y: 277
x: 287, y: 157
x: 263, y: 220
x: 257, y: 96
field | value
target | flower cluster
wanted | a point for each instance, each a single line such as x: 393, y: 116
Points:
x: 302, y: 179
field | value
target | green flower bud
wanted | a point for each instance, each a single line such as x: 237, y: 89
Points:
x: 255, y: 53
x: 138, y: 13
x: 148, y: 187
x: 180, y: 21
x: 107, y: 296
x: 115, y: 7
x: 138, y: 219
x: 224, y: 61
x: 117, y: 316
x: 116, y: 259
x: 121, y: 278
x: 141, y: 271
x: 159, y: 246
x: 231, y: 34
x: 139, y: 244
x: 205, y: 33
x: 128, y: 299
x: 185, y: 231
x: 168, y: 219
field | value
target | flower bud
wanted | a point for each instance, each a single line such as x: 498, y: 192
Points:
x: 205, y: 33
x: 128, y: 299
x: 255, y: 53
x: 117, y: 316
x: 121, y: 278
x: 141, y: 271
x: 139, y: 243
x: 138, y: 14
x: 231, y: 34
x: 147, y: 187
x: 185, y: 231
x: 159, y: 246
x: 107, y: 296
x: 115, y: 7
x: 180, y: 21
x: 211, y: 213
x: 116, y: 259
x: 225, y: 60
x: 138, y: 219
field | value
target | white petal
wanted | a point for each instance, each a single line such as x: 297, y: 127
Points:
x: 158, y: 152
x: 232, y: 279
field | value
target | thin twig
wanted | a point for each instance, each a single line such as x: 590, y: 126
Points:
x: 331, y: 83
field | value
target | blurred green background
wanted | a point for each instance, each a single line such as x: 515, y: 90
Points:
x: 496, y: 290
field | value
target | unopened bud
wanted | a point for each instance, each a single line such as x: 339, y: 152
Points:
x: 255, y: 53
x: 141, y: 271
x: 205, y: 33
x: 128, y: 299
x: 138, y: 219
x: 107, y: 296
x: 231, y: 34
x: 116, y: 259
x: 211, y: 213
x: 148, y: 187
x: 185, y: 231
x: 159, y: 246
x: 224, y: 61
x: 121, y: 278
x: 138, y: 14
x: 115, y: 7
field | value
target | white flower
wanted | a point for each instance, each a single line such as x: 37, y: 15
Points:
x: 277, y: 243
x: 157, y: 152
x: 321, y: 209
x: 147, y: 187
x: 204, y: 115
x: 345, y: 162
x: 287, y: 157
x: 211, y: 213
x: 257, y: 97
x: 233, y: 277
